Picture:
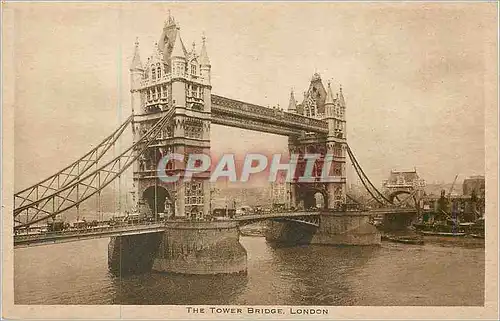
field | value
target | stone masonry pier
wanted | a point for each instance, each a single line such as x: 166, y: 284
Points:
x: 342, y: 228
x: 194, y: 247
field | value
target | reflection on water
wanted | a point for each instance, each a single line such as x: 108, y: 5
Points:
x: 317, y: 274
x: 393, y: 274
x: 160, y: 288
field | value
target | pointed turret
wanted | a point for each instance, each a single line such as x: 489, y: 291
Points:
x: 136, y: 74
x: 170, y: 21
x: 193, y: 50
x: 136, y: 60
x: 292, y: 105
x: 329, y: 95
x: 167, y: 38
x: 178, y: 51
x: 204, y: 61
x: 329, y: 102
x: 341, y: 98
x: 156, y: 56
x: 178, y: 61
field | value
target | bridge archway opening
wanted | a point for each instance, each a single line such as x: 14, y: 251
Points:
x: 403, y: 199
x: 159, y: 196
x: 319, y: 200
x: 254, y: 141
x: 194, y: 213
x: 315, y: 199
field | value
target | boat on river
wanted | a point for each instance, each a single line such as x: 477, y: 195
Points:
x: 416, y: 240
x: 452, y: 228
x: 477, y: 236
x: 453, y: 232
x: 448, y: 234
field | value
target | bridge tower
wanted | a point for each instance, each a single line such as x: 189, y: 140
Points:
x: 400, y: 183
x: 179, y: 79
x: 320, y: 103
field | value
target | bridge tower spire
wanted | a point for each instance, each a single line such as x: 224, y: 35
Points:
x: 329, y: 102
x: 136, y: 74
x: 292, y: 105
x: 342, y: 111
x: 205, y: 61
x: 178, y: 57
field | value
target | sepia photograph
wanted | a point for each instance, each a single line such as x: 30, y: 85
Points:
x: 249, y: 160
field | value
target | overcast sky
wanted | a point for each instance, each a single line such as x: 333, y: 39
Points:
x: 413, y: 75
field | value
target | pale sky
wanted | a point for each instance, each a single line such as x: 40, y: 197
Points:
x: 413, y: 75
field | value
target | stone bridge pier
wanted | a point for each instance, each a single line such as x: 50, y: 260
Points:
x: 187, y: 247
x: 213, y: 247
x: 339, y: 228
x: 398, y: 222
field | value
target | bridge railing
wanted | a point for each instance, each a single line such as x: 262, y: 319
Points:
x: 86, y: 231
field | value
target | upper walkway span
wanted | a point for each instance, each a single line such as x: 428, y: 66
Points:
x: 235, y: 113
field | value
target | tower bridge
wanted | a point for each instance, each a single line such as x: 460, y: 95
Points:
x: 173, y: 108
x: 400, y: 183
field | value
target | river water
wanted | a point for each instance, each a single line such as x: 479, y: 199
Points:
x: 390, y: 274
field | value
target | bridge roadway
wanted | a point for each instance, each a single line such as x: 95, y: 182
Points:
x: 25, y: 240
x: 303, y: 214
x: 72, y: 235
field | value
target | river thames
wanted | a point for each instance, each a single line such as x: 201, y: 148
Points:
x: 391, y: 274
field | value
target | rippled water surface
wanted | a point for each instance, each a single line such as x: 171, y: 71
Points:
x: 392, y: 274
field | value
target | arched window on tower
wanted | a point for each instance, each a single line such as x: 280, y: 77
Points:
x: 158, y: 70
x: 194, y: 91
x: 153, y: 73
x: 193, y: 69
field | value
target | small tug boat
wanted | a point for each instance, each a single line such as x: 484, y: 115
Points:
x: 477, y: 236
x: 449, y: 234
x: 403, y: 239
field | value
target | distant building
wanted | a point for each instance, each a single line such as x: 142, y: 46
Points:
x: 237, y: 196
x: 280, y: 192
x: 222, y: 202
x: 474, y: 183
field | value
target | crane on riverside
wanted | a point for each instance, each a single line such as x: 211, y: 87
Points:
x: 452, y: 186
